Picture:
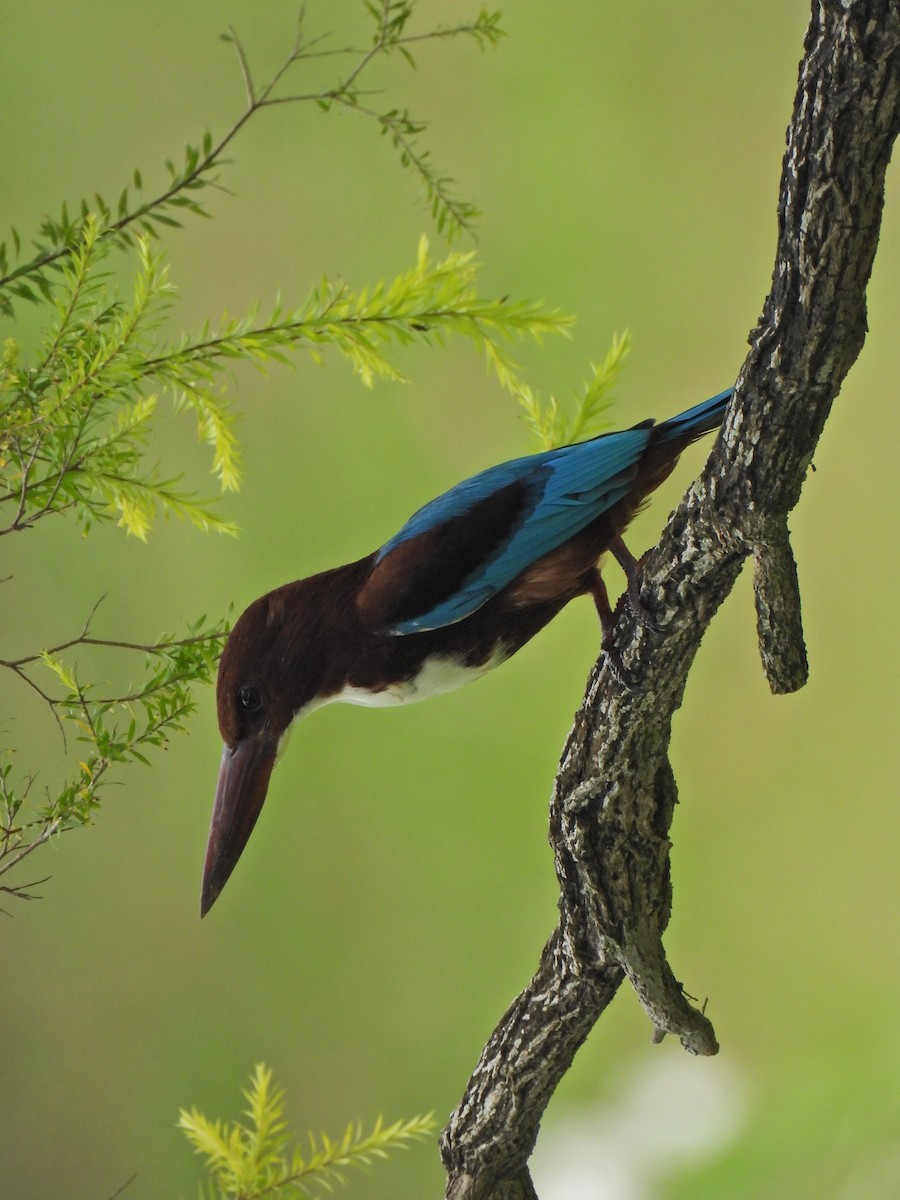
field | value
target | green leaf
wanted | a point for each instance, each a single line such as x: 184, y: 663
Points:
x: 549, y: 424
x: 247, y: 1161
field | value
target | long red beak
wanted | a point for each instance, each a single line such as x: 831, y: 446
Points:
x: 243, y: 782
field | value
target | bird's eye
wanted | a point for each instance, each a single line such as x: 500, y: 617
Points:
x: 249, y: 698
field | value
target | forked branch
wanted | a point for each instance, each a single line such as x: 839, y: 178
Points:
x: 615, y: 792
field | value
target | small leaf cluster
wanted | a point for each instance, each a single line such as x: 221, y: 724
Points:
x: 451, y: 213
x: 551, y: 426
x: 109, y: 729
x: 250, y: 1159
x: 75, y: 423
x: 60, y: 238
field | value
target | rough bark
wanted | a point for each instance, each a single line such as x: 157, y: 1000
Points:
x: 615, y: 792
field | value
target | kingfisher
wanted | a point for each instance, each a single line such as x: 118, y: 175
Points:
x: 469, y: 579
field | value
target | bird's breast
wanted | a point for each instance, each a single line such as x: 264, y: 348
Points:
x: 436, y: 675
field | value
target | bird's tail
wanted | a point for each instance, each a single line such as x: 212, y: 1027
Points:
x: 695, y: 421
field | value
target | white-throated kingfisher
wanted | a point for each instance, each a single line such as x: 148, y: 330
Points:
x: 468, y: 580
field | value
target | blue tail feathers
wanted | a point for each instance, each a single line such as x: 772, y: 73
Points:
x: 700, y: 419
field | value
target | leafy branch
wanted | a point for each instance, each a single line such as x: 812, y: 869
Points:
x: 115, y: 729
x: 248, y: 1160
x: 59, y: 239
x: 74, y: 427
x: 429, y: 301
x: 80, y: 415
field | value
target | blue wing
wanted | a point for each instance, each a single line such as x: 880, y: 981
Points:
x: 465, y: 546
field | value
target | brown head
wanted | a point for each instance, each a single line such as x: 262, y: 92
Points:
x: 277, y: 663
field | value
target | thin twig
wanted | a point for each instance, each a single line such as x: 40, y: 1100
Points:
x: 127, y: 1184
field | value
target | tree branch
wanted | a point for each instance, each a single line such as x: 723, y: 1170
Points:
x: 615, y: 791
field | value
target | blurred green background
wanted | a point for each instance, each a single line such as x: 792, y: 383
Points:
x: 399, y: 887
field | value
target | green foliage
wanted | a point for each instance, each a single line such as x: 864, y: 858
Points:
x: 450, y: 213
x: 59, y: 238
x: 110, y: 729
x: 74, y: 427
x: 75, y: 424
x: 427, y: 303
x: 548, y: 422
x: 79, y: 415
x: 249, y: 1159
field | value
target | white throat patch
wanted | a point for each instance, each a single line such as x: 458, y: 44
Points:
x: 437, y: 675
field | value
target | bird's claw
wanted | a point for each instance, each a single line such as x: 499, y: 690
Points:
x: 637, y: 606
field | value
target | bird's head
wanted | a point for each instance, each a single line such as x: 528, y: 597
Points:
x: 269, y: 674
x: 255, y: 710
x: 289, y: 652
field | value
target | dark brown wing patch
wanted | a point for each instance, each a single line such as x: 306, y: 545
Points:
x: 423, y: 571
